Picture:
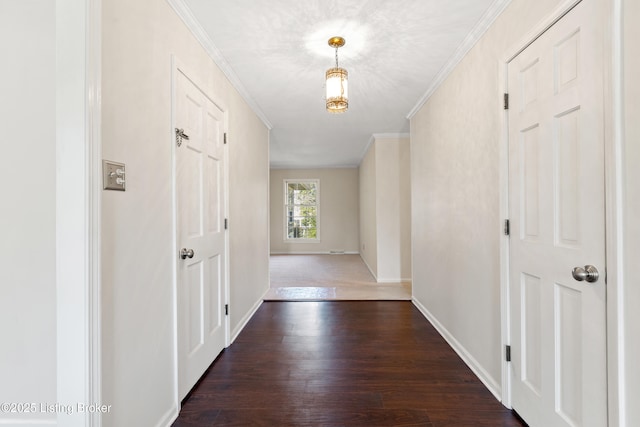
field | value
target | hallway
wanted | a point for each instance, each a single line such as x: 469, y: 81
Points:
x: 92, y: 302
x: 357, y: 363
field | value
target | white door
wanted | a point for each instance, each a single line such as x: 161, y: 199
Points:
x: 200, y: 197
x: 557, y: 207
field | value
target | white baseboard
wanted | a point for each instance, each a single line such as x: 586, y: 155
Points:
x: 28, y: 422
x: 393, y: 280
x: 169, y: 418
x: 243, y: 322
x: 491, y: 384
x: 369, y: 267
x: 386, y: 279
x: 313, y: 253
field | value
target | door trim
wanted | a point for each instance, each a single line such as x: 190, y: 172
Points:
x: 613, y: 133
x: 78, y: 207
x: 614, y: 208
x: 177, y: 66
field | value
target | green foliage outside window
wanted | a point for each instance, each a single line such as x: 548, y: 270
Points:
x: 302, y: 209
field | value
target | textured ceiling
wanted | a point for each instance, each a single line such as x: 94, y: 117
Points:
x: 278, y: 51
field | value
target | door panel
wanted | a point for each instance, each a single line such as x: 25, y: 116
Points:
x: 530, y: 149
x: 556, y: 193
x: 200, y: 167
x: 191, y: 194
x: 215, y: 296
x: 531, y: 333
x: 569, y: 356
x: 194, y: 288
x: 567, y: 150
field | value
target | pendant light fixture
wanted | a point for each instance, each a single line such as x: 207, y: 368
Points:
x: 337, y: 94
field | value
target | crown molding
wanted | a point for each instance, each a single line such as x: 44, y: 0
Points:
x: 183, y: 11
x: 366, y: 147
x: 472, y: 38
x: 284, y: 166
x: 391, y: 135
x: 375, y: 136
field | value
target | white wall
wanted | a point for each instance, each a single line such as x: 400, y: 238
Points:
x: 248, y: 227
x: 455, y: 141
x: 27, y: 217
x: 404, y: 215
x: 138, y: 258
x: 368, y: 210
x: 385, y: 216
x: 339, y: 210
x: 631, y: 210
x: 393, y: 206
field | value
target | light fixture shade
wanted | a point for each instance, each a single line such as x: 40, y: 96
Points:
x: 337, y: 87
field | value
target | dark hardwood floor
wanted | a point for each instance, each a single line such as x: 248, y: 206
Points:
x: 341, y: 363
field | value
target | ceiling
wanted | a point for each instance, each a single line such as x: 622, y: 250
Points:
x: 276, y: 54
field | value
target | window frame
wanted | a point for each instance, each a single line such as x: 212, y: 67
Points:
x: 285, y: 205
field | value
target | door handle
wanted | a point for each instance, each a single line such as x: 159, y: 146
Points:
x: 186, y: 253
x: 180, y: 135
x: 589, y: 273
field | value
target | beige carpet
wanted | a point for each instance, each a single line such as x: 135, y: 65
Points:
x: 328, y: 277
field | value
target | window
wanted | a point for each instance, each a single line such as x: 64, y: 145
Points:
x: 301, y: 209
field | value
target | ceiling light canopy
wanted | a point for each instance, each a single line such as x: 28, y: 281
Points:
x: 337, y: 94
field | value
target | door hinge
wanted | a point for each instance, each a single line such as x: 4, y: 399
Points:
x: 507, y: 227
x: 225, y: 137
x: 507, y: 353
x: 226, y: 224
x: 506, y: 101
x: 226, y: 309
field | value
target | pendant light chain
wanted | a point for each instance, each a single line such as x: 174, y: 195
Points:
x: 336, y: 57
